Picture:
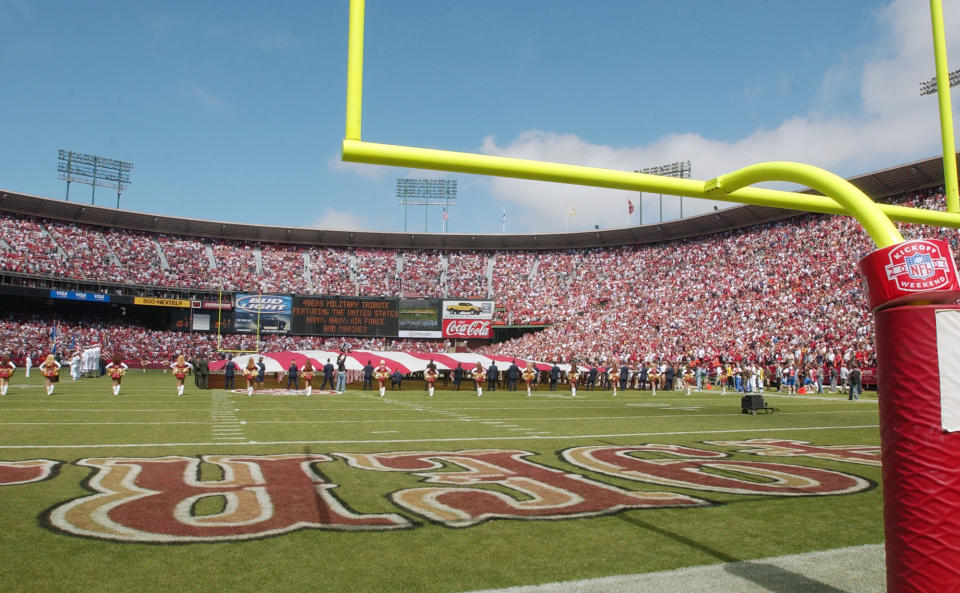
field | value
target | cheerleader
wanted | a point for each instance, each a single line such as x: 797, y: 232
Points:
x: 180, y: 370
x: 50, y: 369
x: 116, y: 368
x: 478, y: 375
x: 250, y: 373
x: 381, y: 374
x: 613, y: 376
x: 654, y: 375
x: 6, y: 371
x: 572, y: 377
x: 529, y: 374
x: 688, y: 378
x: 307, y: 372
x: 430, y: 376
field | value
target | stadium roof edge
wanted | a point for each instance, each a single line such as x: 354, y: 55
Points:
x: 880, y: 185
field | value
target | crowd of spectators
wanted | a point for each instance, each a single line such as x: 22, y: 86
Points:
x: 421, y: 273
x: 36, y: 335
x: 756, y: 293
x: 466, y: 275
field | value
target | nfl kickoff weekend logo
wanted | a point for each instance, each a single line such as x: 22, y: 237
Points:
x: 918, y: 266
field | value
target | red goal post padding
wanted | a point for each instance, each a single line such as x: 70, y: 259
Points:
x: 918, y: 365
x: 918, y: 351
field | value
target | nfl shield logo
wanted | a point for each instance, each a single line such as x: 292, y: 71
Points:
x: 919, y: 266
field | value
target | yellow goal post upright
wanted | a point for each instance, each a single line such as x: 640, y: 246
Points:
x: 219, y: 326
x: 920, y: 556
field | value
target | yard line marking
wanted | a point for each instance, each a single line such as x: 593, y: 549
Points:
x: 100, y: 423
x: 454, y: 439
x: 405, y: 420
x: 97, y: 410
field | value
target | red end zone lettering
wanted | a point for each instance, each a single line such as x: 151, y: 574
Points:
x: 154, y: 500
x: 25, y: 472
x: 542, y: 492
x: 686, y: 467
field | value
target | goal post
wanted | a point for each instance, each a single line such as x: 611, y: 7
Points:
x: 904, y: 280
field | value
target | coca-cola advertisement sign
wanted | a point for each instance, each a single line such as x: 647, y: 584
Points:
x: 468, y: 328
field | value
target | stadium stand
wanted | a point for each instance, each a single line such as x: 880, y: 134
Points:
x: 779, y: 289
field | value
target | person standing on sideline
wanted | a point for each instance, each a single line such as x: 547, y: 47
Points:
x: 478, y: 375
x: 554, y: 376
x: 342, y: 371
x: 75, y: 366
x: 203, y: 372
x: 307, y: 371
x: 180, y: 369
x: 458, y: 376
x: 430, y: 377
x: 27, y: 364
x: 529, y: 375
x: 613, y: 376
x: 292, y: 373
x: 513, y: 375
x: 493, y: 374
x: 572, y: 376
x: 228, y: 373
x: 117, y: 369
x: 6, y: 371
x: 592, y: 377
x: 855, y: 377
x: 261, y: 372
x: 328, y: 371
x: 382, y: 373
x: 250, y: 373
x: 368, y: 375
x: 50, y: 369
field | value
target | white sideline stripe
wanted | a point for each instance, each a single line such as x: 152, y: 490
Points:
x: 232, y: 417
x: 857, y: 569
x: 472, y: 408
x: 453, y: 439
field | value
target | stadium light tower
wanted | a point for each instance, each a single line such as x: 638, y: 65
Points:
x: 679, y: 169
x: 929, y: 87
x: 93, y: 170
x: 427, y: 192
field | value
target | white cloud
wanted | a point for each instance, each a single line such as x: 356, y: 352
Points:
x: 373, y: 172
x: 276, y: 40
x: 192, y: 92
x: 338, y: 220
x: 888, y: 123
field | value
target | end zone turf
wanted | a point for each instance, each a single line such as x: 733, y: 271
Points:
x: 479, y: 493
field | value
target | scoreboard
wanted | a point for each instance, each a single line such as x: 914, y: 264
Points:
x: 339, y: 316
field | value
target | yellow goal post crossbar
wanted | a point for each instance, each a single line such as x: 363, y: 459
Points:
x: 840, y: 196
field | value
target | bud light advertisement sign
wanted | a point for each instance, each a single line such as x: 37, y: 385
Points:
x: 271, y: 311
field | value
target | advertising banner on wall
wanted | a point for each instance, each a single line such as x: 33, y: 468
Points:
x: 340, y: 316
x: 272, y: 311
x: 468, y: 329
x: 160, y: 302
x: 467, y: 319
x: 419, y: 318
x: 465, y: 309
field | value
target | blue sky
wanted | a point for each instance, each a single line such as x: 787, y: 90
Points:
x: 234, y: 110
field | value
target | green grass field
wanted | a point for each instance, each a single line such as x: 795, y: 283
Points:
x: 223, y: 492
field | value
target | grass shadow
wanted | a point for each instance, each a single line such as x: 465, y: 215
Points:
x: 771, y: 577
